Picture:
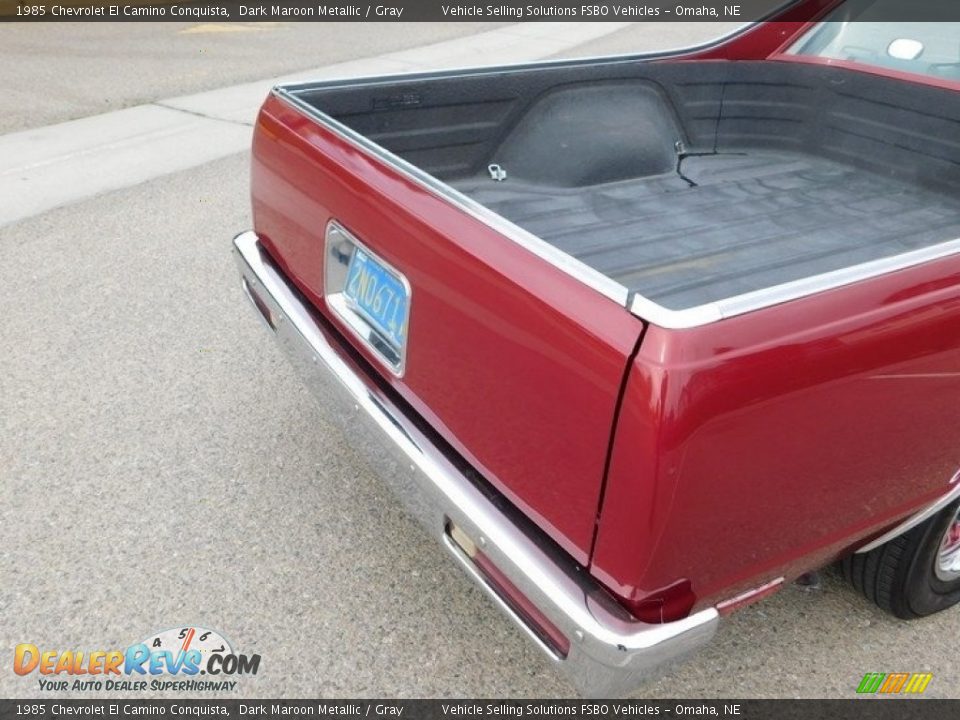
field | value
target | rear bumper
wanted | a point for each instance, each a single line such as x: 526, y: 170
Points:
x: 609, y: 653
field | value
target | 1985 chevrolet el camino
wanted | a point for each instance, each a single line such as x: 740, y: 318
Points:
x: 640, y: 339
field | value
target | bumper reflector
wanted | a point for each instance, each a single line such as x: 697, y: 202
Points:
x: 749, y: 597
x: 548, y: 633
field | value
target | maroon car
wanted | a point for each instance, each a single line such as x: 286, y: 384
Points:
x: 641, y: 339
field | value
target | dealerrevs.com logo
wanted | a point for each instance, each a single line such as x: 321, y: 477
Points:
x: 171, y: 660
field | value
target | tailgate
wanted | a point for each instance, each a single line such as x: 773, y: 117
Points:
x: 515, y: 363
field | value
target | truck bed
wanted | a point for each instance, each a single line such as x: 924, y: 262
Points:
x: 727, y: 224
x: 685, y: 183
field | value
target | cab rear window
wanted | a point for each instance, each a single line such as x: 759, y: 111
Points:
x: 850, y: 34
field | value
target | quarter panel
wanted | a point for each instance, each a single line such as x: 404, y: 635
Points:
x: 767, y: 444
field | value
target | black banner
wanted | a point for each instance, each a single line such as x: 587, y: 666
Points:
x: 466, y: 11
x: 436, y: 709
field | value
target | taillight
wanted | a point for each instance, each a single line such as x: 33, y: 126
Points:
x: 673, y: 602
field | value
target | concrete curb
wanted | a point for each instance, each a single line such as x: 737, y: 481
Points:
x: 47, y: 167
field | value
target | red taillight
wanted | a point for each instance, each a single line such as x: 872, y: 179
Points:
x: 673, y: 602
x: 548, y: 633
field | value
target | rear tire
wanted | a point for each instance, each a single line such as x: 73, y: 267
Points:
x: 915, y: 574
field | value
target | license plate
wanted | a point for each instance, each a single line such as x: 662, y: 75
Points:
x: 381, y: 295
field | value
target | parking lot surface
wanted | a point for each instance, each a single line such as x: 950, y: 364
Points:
x: 61, y: 71
x: 161, y: 466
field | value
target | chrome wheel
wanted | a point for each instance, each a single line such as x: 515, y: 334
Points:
x: 947, y: 566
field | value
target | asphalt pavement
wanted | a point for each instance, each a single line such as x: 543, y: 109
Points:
x: 162, y: 466
x: 61, y: 71
x: 53, y: 72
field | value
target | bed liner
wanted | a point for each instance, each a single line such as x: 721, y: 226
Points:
x: 729, y: 223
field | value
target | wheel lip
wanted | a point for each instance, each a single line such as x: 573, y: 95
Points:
x: 947, y: 565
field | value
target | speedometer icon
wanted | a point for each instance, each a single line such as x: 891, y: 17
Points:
x: 182, y: 639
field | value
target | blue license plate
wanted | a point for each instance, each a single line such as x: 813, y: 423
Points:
x: 380, y: 295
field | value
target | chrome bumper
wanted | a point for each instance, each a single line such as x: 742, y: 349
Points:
x: 609, y: 652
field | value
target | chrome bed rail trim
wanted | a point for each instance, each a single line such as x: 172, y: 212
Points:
x: 918, y: 517
x: 794, y: 290
x: 641, y: 306
x: 610, y: 652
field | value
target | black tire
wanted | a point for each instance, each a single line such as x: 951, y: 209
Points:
x: 900, y: 577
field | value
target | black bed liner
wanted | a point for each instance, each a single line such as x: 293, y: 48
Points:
x: 687, y: 183
x: 752, y: 220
